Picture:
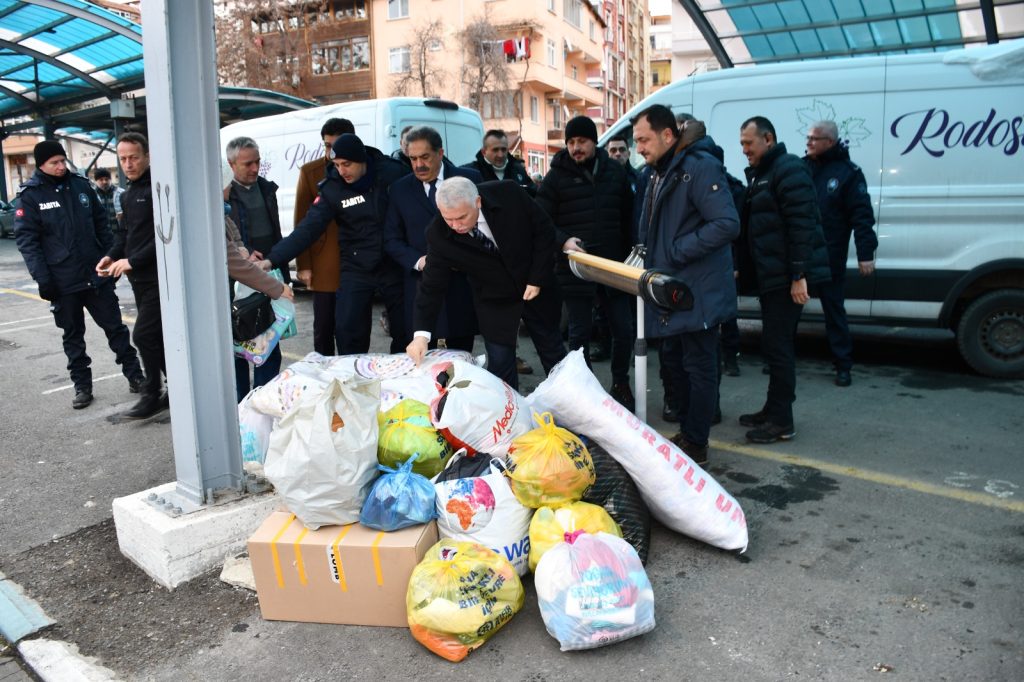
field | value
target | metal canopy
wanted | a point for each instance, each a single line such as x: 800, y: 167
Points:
x: 764, y: 31
x: 56, y: 53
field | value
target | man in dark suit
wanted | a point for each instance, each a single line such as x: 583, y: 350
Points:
x: 504, y: 243
x: 410, y: 210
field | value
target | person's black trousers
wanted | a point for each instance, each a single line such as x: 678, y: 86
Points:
x: 546, y: 337
x: 693, y: 366
x: 779, y: 317
x: 324, y: 304
x: 619, y: 312
x: 148, y: 335
x: 69, y: 315
x: 354, y: 310
x: 831, y: 295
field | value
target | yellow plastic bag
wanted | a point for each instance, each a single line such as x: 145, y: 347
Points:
x: 549, y: 466
x: 405, y: 430
x: 549, y: 526
x: 459, y: 596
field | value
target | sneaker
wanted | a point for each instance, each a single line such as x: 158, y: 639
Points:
x: 755, y: 419
x: 698, y: 453
x: 145, y: 408
x: 135, y: 385
x: 83, y: 397
x: 669, y: 412
x: 522, y: 367
x: 843, y: 378
x: 624, y: 396
x: 731, y: 366
x: 769, y: 433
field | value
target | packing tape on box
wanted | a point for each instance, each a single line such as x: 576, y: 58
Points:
x: 273, y: 550
x: 336, y: 552
x: 298, y: 556
x: 376, y: 557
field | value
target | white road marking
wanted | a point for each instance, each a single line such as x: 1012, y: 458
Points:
x: 64, y: 388
x: 26, y: 327
x: 27, y: 319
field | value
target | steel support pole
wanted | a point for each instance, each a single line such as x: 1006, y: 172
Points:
x: 181, y: 93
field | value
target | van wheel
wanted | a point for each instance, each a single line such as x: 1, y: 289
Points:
x: 991, y: 334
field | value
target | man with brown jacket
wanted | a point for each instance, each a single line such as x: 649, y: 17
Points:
x: 318, y: 266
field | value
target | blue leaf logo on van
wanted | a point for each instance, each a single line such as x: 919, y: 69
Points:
x: 851, y: 129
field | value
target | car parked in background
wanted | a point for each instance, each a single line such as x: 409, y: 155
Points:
x: 7, y: 218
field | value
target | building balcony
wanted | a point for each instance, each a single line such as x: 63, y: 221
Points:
x: 556, y: 134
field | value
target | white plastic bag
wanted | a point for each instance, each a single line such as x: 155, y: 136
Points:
x: 481, y: 508
x: 258, y: 349
x: 323, y: 454
x: 254, y: 429
x: 593, y: 591
x: 680, y: 494
x: 476, y: 410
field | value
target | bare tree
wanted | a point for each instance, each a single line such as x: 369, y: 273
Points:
x: 264, y: 44
x: 485, y: 69
x: 424, y: 77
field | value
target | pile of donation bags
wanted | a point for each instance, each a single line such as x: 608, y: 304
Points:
x: 558, y: 483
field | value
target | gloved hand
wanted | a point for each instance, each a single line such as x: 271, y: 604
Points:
x: 48, y: 292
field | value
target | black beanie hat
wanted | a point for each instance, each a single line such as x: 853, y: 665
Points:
x: 581, y: 126
x: 46, y: 150
x: 349, y: 147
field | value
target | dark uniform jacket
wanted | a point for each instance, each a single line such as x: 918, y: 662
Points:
x: 688, y: 233
x: 526, y: 240
x: 405, y: 240
x: 268, y: 189
x: 595, y: 207
x: 845, y: 206
x: 781, y: 234
x: 359, y: 209
x: 62, y: 232
x: 514, y: 171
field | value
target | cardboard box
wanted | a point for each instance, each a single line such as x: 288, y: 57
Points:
x: 338, y: 574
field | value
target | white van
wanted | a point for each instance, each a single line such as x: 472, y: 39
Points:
x: 289, y: 140
x: 940, y: 137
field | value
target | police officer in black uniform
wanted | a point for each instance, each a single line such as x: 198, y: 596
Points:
x: 134, y: 254
x: 845, y: 207
x: 61, y: 229
x: 355, y: 195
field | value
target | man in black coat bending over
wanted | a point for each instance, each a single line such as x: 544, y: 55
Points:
x: 504, y: 243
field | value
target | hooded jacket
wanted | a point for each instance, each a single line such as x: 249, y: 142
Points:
x: 688, y: 226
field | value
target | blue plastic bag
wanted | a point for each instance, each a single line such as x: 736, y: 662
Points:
x: 400, y: 498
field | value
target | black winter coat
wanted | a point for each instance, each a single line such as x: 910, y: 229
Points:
x: 526, y: 241
x: 514, y: 171
x: 137, y: 242
x: 359, y: 211
x: 62, y: 232
x: 781, y: 233
x: 268, y: 189
x: 845, y: 206
x: 597, y: 209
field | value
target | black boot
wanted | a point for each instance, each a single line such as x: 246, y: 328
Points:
x: 147, y: 406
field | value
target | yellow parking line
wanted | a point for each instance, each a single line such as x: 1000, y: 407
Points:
x: 876, y: 477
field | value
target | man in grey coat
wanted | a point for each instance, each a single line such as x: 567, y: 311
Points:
x: 687, y: 223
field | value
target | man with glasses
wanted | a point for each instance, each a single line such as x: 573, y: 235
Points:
x: 845, y: 208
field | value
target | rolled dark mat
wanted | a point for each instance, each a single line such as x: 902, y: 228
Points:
x: 618, y: 495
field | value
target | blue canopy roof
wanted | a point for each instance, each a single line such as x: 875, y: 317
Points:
x: 764, y: 31
x: 59, y: 52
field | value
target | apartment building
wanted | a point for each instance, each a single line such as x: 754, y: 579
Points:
x: 624, y: 77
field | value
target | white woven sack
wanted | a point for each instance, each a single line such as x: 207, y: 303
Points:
x: 680, y: 494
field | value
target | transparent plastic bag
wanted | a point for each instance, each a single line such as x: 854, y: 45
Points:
x: 549, y: 466
x: 459, y: 596
x: 593, y: 591
x: 399, y: 499
x: 549, y: 526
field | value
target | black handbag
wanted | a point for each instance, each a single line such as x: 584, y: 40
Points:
x: 251, y: 316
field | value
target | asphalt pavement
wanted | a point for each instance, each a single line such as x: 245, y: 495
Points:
x: 886, y: 539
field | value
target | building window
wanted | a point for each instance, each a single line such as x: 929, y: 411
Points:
x: 534, y: 110
x: 556, y: 114
x: 575, y: 73
x: 336, y: 56
x: 592, y: 30
x: 398, y: 60
x: 499, y: 104
x: 434, y: 45
x: 535, y: 162
x: 573, y: 10
x: 398, y: 9
x: 551, y: 6
x: 551, y: 52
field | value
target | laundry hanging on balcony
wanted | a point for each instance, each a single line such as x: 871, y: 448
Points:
x: 516, y: 49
